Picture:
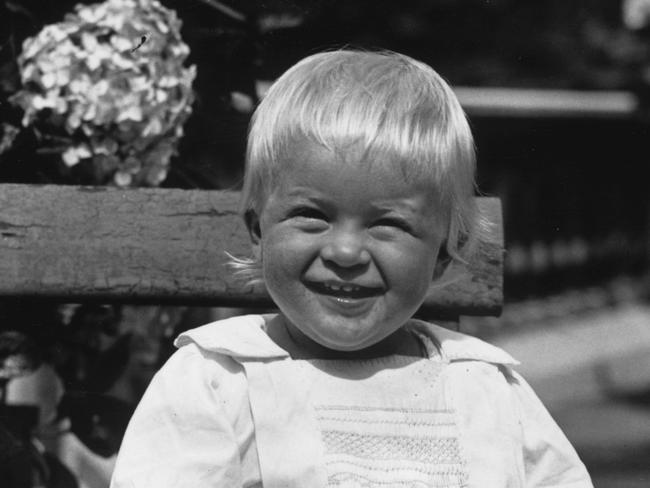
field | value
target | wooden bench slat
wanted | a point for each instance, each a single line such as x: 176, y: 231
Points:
x: 167, y: 246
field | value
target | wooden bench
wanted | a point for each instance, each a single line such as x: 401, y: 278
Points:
x: 77, y: 244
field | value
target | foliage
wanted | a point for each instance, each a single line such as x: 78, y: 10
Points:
x: 107, y: 87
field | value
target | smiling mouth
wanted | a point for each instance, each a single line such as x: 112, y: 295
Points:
x: 344, y: 290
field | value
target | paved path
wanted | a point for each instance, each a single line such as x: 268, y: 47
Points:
x: 593, y: 373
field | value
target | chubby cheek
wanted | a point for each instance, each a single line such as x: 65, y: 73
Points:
x: 414, y: 274
x: 281, y: 262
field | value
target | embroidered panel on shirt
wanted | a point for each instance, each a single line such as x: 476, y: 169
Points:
x: 391, y: 447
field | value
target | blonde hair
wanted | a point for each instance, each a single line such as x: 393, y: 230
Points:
x: 385, y: 101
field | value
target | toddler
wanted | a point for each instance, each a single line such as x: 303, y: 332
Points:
x: 359, y: 191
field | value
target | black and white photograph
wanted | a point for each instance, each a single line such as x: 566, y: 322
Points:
x: 324, y: 244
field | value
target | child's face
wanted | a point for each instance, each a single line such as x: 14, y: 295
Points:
x: 348, y: 247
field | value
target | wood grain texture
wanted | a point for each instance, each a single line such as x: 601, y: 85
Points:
x: 168, y: 246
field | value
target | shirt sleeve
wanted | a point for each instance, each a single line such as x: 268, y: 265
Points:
x: 180, y: 434
x: 549, y: 458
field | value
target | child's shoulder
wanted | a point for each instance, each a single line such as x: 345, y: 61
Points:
x: 478, y: 374
x: 455, y: 346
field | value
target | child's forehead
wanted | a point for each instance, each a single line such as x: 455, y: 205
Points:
x: 302, y: 148
x: 302, y: 151
x: 308, y: 166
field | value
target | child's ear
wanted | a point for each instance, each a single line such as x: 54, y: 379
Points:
x: 442, y: 263
x: 255, y: 232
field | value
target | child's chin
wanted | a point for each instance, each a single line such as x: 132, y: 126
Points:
x: 349, y: 344
x: 339, y: 343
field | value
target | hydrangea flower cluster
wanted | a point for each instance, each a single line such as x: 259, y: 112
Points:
x: 109, y: 86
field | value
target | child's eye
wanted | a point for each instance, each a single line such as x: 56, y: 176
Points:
x: 307, y: 213
x: 394, y: 223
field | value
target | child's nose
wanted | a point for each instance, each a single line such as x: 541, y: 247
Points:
x: 346, y: 249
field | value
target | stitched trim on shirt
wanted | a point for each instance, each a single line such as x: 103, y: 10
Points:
x: 379, y: 473
x: 443, y: 481
x: 381, y: 409
x: 390, y: 422
x: 442, y: 450
x: 380, y: 467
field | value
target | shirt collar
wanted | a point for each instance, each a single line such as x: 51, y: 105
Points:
x: 455, y: 346
x: 244, y: 337
x: 238, y: 337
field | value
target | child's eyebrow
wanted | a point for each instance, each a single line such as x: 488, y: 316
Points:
x: 403, y: 206
x: 305, y: 193
x: 299, y: 192
x: 400, y: 205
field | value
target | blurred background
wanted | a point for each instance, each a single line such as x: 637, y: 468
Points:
x: 557, y: 93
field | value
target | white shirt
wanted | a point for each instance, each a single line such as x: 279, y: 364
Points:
x: 230, y: 408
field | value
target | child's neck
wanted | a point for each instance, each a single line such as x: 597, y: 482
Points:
x: 299, y: 346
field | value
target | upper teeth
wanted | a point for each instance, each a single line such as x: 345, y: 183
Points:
x: 342, y: 287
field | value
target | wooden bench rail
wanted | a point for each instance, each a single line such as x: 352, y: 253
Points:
x: 167, y: 246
